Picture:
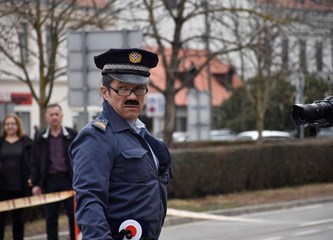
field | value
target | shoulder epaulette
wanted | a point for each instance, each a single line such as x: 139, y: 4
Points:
x: 100, y: 124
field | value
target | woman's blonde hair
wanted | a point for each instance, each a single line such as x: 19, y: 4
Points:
x: 20, y: 131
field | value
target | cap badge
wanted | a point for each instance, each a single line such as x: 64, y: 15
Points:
x: 135, y: 57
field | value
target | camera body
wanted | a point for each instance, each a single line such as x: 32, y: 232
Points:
x: 318, y: 114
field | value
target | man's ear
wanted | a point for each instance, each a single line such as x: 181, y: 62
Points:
x: 104, y: 92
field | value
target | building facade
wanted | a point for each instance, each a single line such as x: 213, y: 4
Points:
x: 305, y: 45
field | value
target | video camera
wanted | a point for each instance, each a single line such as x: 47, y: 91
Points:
x: 318, y: 114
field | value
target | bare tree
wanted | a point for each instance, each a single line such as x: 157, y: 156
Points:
x: 263, y: 58
x: 33, y: 35
x: 174, y: 27
x: 268, y: 72
x: 268, y: 54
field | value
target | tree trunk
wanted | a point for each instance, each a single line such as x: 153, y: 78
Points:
x: 170, y: 116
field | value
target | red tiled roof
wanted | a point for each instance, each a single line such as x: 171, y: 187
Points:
x: 92, y: 3
x: 196, y: 57
x: 319, y: 5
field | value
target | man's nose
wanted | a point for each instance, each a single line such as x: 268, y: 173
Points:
x: 132, y: 96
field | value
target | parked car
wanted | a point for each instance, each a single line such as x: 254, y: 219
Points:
x: 180, y: 136
x: 222, y: 135
x: 266, y: 134
x: 325, y: 133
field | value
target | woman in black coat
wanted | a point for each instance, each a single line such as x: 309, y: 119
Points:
x: 15, y: 155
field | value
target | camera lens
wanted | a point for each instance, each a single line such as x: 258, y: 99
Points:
x: 298, y: 114
x: 309, y: 113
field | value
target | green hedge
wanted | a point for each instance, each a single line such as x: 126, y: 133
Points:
x: 201, y: 171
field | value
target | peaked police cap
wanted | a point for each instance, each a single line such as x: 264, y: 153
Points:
x: 127, y: 65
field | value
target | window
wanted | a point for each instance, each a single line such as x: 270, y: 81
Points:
x: 172, y: 4
x: 225, y: 79
x: 267, y: 53
x: 317, y: 1
x: 48, y: 41
x: 319, y: 56
x: 181, y: 124
x: 285, y: 55
x: 187, y: 77
x: 23, y: 42
x: 302, y: 56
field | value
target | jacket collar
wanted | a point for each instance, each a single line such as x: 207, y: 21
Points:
x: 47, y: 132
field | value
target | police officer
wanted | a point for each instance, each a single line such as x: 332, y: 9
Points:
x: 120, y: 169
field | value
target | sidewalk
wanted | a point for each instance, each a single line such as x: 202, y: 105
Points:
x: 173, y: 220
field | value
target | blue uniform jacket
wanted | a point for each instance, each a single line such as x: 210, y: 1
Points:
x: 115, y: 177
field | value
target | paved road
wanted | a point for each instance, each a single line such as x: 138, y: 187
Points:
x: 176, y: 229
x: 312, y: 222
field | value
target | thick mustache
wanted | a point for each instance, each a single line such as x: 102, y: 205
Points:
x: 131, y: 102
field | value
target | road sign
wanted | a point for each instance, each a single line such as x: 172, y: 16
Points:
x: 198, y: 115
x: 155, y: 105
x: 84, y: 78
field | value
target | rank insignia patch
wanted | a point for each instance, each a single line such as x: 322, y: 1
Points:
x: 100, y: 124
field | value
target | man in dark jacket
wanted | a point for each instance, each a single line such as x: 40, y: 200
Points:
x: 51, y: 169
x: 120, y: 170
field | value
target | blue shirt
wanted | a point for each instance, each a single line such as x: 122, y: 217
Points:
x: 140, y: 128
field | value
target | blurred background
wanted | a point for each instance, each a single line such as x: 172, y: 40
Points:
x: 228, y: 74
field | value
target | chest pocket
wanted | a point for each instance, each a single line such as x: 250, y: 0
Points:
x: 136, y: 165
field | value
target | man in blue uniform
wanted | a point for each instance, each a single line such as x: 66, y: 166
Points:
x: 120, y: 170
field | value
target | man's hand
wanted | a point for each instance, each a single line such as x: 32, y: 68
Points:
x: 29, y: 182
x: 123, y: 234
x: 36, y: 190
